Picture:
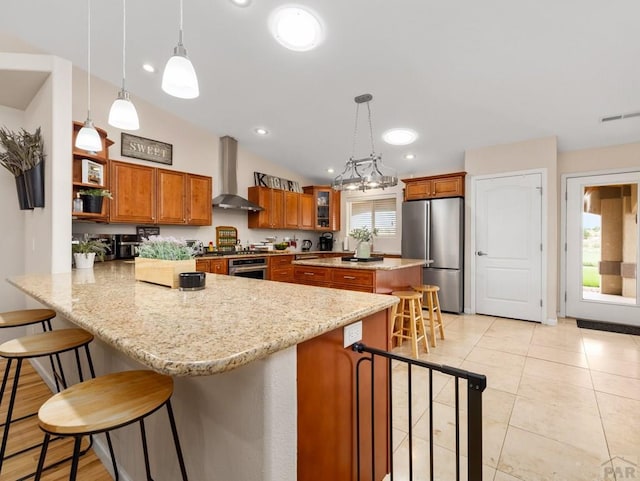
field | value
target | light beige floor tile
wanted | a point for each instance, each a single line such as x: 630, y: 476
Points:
x: 451, y: 348
x: 576, y: 376
x: 497, y: 377
x: 613, y: 405
x: 558, y: 337
x: 549, y: 391
x: 494, y: 358
x: 519, y: 331
x: 616, y: 339
x: 625, y: 467
x: 500, y: 476
x: 619, y: 385
x: 562, y: 356
x: 566, y: 425
x: 567, y: 322
x: 612, y: 350
x: 614, y: 366
x: 623, y: 435
x: 398, y: 437
x: 436, y: 356
x: 496, y: 405
x: 513, y: 346
x: 532, y: 457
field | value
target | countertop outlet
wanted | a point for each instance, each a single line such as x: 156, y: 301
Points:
x: 352, y: 333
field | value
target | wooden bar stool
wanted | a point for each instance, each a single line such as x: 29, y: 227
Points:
x: 104, y: 404
x: 407, y: 321
x: 432, y: 304
x: 49, y: 343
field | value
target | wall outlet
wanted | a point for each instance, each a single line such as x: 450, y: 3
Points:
x: 352, y: 333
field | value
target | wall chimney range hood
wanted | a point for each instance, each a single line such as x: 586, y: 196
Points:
x: 229, y: 199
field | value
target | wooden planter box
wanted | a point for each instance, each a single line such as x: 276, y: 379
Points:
x: 159, y: 271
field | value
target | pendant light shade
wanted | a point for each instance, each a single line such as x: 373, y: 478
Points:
x: 88, y: 138
x: 123, y: 114
x: 179, y: 78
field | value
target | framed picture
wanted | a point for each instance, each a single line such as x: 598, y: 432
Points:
x: 92, y: 172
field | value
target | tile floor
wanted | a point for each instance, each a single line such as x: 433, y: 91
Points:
x: 561, y: 404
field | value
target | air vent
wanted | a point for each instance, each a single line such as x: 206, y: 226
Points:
x: 620, y: 117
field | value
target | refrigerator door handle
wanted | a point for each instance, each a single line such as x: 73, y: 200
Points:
x: 480, y: 253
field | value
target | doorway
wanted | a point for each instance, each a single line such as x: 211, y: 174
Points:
x: 507, y: 259
x: 602, y: 248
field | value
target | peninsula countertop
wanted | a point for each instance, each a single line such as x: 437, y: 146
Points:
x: 232, y: 322
x: 387, y: 264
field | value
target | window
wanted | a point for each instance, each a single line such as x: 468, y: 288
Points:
x: 379, y: 214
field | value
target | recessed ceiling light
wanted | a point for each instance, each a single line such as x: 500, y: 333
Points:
x: 330, y: 170
x: 410, y: 156
x: 148, y: 68
x: 400, y: 136
x: 261, y: 131
x: 296, y: 28
x: 241, y: 3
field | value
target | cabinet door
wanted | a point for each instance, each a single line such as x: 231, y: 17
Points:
x: 418, y: 190
x: 198, y: 200
x: 262, y: 197
x: 334, y: 213
x: 306, y: 211
x: 171, y: 197
x: 447, y: 187
x: 277, y: 209
x: 291, y: 210
x: 203, y: 265
x: 134, y: 193
x: 219, y: 266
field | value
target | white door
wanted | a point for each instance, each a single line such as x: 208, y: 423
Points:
x: 508, y: 256
x: 602, y: 249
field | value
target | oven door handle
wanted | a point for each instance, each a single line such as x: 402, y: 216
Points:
x: 233, y: 270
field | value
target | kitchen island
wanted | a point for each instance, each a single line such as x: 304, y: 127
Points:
x: 251, y: 356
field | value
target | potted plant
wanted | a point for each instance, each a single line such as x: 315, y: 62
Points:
x: 85, y: 252
x: 92, y: 199
x: 24, y: 158
x: 161, y: 260
x: 364, y: 236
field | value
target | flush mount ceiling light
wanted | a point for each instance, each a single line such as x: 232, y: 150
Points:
x: 400, y: 136
x: 368, y: 172
x: 241, y: 3
x: 261, y: 131
x: 296, y: 28
x: 88, y: 138
x: 147, y: 67
x: 179, y: 78
x: 410, y: 156
x: 123, y: 114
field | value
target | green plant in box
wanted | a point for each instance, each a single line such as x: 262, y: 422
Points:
x: 96, y: 193
x: 167, y: 248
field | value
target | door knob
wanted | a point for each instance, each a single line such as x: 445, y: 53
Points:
x: 480, y: 253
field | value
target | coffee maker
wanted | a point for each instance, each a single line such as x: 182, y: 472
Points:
x: 325, y: 243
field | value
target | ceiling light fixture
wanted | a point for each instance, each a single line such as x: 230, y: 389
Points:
x: 123, y: 114
x: 261, y: 131
x: 296, y: 28
x: 400, y: 136
x: 368, y: 172
x: 241, y: 3
x: 147, y: 67
x: 88, y: 138
x: 179, y: 78
x: 410, y: 156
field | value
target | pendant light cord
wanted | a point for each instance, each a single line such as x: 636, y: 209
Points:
x: 373, y: 150
x: 124, y: 40
x: 181, y: 21
x: 89, y: 59
x: 355, y: 133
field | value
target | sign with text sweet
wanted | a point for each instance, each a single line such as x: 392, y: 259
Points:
x: 145, y: 149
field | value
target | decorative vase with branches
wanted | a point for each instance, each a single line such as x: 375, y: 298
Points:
x: 364, y: 236
x: 23, y: 156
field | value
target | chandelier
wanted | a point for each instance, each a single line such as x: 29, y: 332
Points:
x: 368, y: 172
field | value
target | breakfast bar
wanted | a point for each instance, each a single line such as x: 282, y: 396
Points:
x: 249, y: 358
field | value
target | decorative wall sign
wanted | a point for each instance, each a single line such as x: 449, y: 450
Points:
x: 146, y: 149
x: 265, y: 180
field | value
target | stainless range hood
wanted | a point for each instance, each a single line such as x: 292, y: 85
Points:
x: 229, y: 199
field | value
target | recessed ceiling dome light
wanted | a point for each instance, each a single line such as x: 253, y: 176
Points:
x: 410, y: 156
x: 330, y: 170
x: 261, y: 131
x: 400, y: 136
x: 241, y: 3
x: 147, y: 67
x: 296, y: 28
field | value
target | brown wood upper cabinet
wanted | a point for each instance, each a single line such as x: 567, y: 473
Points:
x: 283, y: 209
x: 326, y: 207
x: 144, y: 194
x: 447, y: 185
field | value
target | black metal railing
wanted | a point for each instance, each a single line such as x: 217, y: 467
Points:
x: 476, y: 384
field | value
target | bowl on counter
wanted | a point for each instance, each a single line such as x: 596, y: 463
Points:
x: 280, y: 246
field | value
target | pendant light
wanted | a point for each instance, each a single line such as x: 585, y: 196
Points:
x: 123, y: 114
x: 179, y: 78
x: 368, y: 172
x: 88, y: 138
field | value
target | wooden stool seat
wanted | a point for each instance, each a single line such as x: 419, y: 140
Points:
x: 105, y: 403
x: 45, y: 344
x: 429, y: 293
x: 25, y: 317
x: 407, y: 321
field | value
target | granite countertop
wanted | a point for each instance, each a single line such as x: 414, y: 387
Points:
x: 232, y: 322
x: 383, y: 265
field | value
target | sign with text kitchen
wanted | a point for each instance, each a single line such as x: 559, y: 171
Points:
x: 145, y: 149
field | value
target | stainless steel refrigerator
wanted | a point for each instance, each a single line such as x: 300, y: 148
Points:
x: 433, y: 230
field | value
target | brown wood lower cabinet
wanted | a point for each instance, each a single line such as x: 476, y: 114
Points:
x: 366, y: 280
x: 326, y: 406
x: 214, y: 266
x: 280, y: 268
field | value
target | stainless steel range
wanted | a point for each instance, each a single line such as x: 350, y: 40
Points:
x: 252, y: 267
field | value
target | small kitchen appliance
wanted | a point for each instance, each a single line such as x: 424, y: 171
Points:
x: 306, y: 245
x: 325, y: 243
